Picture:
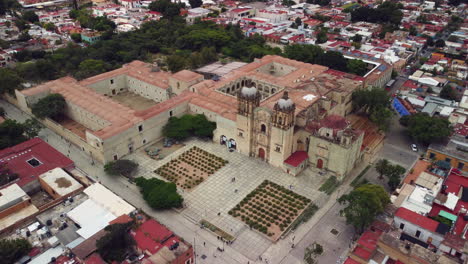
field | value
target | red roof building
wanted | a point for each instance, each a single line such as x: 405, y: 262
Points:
x: 159, y: 243
x: 296, y: 158
x: 417, y: 219
x: 31, y: 159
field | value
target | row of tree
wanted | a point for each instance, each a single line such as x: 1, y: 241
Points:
x: 187, y: 126
x: 332, y: 59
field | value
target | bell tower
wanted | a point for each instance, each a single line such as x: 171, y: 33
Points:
x: 248, y: 99
x: 283, y: 112
x: 282, y: 132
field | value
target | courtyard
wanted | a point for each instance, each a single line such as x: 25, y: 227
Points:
x: 134, y: 101
x: 213, y: 198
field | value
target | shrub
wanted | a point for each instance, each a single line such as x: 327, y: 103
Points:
x: 159, y: 194
x: 121, y: 167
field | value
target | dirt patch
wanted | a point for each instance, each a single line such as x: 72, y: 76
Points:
x: 191, y: 168
x: 63, y: 182
x: 270, y: 209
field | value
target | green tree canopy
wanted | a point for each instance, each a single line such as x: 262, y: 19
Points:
x: 121, y: 167
x: 30, y: 16
x: 51, y: 106
x: 386, y: 13
x: 7, y: 5
x: 13, y: 249
x: 195, y: 3
x: 392, y: 171
x: 159, y: 194
x: 11, y: 133
x: 363, y: 204
x: 357, y: 67
x: 440, y: 43
x: 427, y: 129
x: 189, y: 125
x: 9, y: 80
x: 117, y: 243
x: 166, y: 8
x: 90, y: 68
x: 449, y: 93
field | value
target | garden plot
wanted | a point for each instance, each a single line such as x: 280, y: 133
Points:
x: 191, y: 168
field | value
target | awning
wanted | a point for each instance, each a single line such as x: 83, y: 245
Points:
x: 448, y: 215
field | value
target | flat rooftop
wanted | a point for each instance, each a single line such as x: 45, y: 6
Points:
x: 60, y: 181
x: 134, y: 101
x: 10, y: 196
x: 75, y: 127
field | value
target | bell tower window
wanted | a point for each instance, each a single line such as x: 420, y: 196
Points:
x: 263, y: 128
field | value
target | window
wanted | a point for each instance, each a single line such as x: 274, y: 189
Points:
x: 241, y: 134
x: 432, y: 155
x: 34, y: 162
x: 448, y: 160
x: 460, y: 165
x: 170, y: 113
x: 112, y: 81
x: 115, y: 157
x: 278, y: 149
x: 418, y: 233
x: 144, y: 141
x: 140, y: 128
x: 263, y: 128
x: 402, y: 226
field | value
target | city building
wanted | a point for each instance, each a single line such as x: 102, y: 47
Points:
x: 263, y: 109
x: 453, y: 151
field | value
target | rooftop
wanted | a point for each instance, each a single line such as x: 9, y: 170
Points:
x: 60, y: 181
x: 417, y: 219
x: 296, y: 158
x: 33, y: 158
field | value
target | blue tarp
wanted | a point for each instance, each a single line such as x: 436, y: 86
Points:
x: 402, y: 111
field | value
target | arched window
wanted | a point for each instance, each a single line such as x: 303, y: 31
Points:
x: 273, y: 90
x: 263, y: 128
x: 280, y: 120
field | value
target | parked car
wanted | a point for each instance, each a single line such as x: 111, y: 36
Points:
x: 414, y: 148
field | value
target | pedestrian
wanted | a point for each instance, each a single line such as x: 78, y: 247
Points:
x: 204, y: 244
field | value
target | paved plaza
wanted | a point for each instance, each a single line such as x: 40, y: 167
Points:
x: 212, y: 199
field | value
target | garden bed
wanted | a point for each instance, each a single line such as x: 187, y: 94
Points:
x: 270, y: 209
x: 191, y: 168
x: 219, y: 232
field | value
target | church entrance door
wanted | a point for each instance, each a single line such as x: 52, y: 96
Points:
x: 319, y: 163
x: 261, y: 153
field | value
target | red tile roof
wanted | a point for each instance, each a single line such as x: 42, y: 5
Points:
x: 153, y: 236
x: 123, y: 219
x: 417, y: 219
x: 95, y: 258
x: 368, y: 240
x: 362, y: 253
x: 16, y: 158
x: 296, y: 158
x: 349, y: 260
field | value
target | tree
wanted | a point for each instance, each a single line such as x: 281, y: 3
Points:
x: 121, y: 167
x: 30, y: 16
x: 394, y: 176
x: 381, y: 116
x: 24, y: 36
x: 117, y: 243
x: 168, y: 9
x: 440, y: 43
x: 9, y: 80
x: 448, y: 93
x: 189, y: 125
x: 90, y: 67
x: 298, y: 21
x: 176, y: 63
x: 32, y: 127
x: 357, y: 67
x: 369, y: 100
x: 11, y: 133
x: 76, y: 37
x: 363, y: 204
x: 321, y: 37
x: 159, y: 194
x: 356, y: 38
x: 51, y: 106
x: 12, y: 250
x: 427, y: 129
x: 49, y: 26
x: 430, y: 41
x: 382, y: 167
x: 195, y: 3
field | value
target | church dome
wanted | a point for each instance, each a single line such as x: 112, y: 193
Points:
x: 285, y: 102
x: 248, y: 91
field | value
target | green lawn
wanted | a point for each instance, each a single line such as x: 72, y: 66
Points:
x: 330, y: 185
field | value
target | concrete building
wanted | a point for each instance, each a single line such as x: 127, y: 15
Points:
x: 262, y: 109
x: 453, y: 152
x: 57, y: 183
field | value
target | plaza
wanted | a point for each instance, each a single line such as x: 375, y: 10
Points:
x: 213, y: 198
